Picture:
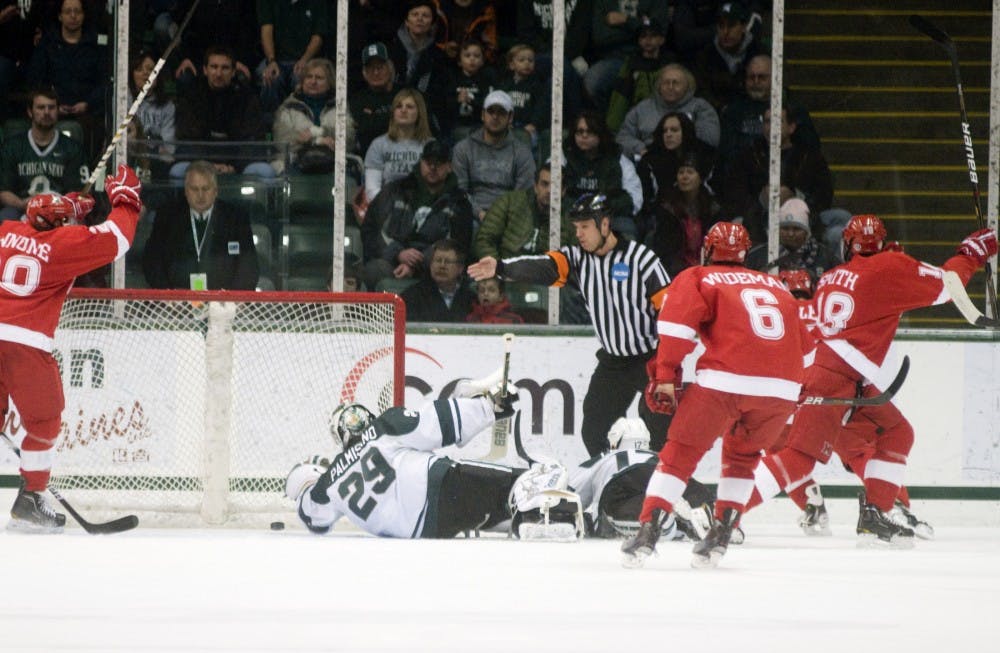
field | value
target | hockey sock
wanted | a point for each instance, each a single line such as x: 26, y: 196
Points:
x: 798, y: 494
x: 904, y: 496
x: 36, y: 462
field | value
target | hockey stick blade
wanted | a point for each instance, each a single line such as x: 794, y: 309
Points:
x: 921, y: 24
x: 877, y: 400
x: 119, y: 525
x: 960, y: 298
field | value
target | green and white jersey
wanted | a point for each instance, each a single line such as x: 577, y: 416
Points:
x: 381, y: 483
x: 27, y: 170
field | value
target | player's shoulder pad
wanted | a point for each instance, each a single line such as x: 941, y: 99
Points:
x: 397, y: 421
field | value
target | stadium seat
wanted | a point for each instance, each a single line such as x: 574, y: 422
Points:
x: 264, y: 245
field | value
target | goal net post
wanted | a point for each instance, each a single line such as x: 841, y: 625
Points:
x: 189, y: 408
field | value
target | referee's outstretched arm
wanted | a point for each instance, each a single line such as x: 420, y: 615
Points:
x: 549, y: 269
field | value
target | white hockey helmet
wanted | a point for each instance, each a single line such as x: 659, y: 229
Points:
x: 628, y: 433
x: 348, y: 422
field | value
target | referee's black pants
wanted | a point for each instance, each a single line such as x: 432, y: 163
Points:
x: 613, y: 388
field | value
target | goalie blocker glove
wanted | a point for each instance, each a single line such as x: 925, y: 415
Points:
x: 980, y: 245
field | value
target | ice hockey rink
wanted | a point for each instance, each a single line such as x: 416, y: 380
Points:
x: 257, y: 590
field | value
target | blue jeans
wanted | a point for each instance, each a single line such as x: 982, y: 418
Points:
x: 600, y: 80
x: 272, y: 96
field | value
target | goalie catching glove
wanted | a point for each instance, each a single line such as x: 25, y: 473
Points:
x: 490, y: 387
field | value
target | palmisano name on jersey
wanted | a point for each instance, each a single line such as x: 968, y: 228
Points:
x: 27, y: 245
x: 344, y: 460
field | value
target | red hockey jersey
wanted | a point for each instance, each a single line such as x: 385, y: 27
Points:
x: 755, y: 343
x: 857, y: 305
x: 37, y: 269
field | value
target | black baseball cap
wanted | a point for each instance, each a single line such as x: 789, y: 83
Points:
x: 436, y: 151
x: 649, y: 25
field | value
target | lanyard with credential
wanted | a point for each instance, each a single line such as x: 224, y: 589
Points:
x: 194, y: 234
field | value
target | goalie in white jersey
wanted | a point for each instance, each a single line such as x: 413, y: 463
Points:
x: 389, y: 482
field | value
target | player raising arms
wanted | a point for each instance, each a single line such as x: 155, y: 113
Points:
x: 746, y: 387
x: 857, y: 308
x: 40, y: 257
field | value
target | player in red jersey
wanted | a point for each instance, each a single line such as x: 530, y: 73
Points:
x: 39, y: 259
x: 857, y: 307
x: 747, y: 383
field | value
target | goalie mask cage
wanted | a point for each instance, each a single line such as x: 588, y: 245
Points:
x: 190, y: 408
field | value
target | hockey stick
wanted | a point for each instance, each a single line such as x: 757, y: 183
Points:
x: 964, y: 303
x: 518, y: 443
x: 877, y: 400
x: 132, y: 110
x: 937, y: 35
x: 498, y: 443
x: 119, y: 525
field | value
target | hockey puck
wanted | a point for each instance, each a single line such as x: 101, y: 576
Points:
x: 277, y: 526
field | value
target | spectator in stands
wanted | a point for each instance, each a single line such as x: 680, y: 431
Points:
x: 371, y: 107
x: 693, y: 27
x: 742, y: 121
x: 39, y: 160
x: 200, y: 242
x: 291, y: 34
x: 804, y: 174
x: 518, y: 222
x: 392, y: 155
x: 16, y: 44
x: 71, y: 60
x: 353, y: 275
x: 684, y: 214
x: 675, y: 92
x: 443, y: 295
x: 491, y: 305
x: 306, y: 121
x: 528, y: 90
x: 797, y: 246
x: 467, y: 20
x: 534, y: 27
x: 720, y: 66
x: 657, y: 169
x: 218, y: 24
x: 471, y: 81
x: 636, y: 79
x: 613, y: 39
x: 594, y: 164
x: 378, y: 19
x: 156, y: 115
x: 490, y: 161
x: 220, y: 108
x: 410, y: 214
x: 419, y: 63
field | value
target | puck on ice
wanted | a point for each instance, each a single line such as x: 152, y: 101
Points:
x: 277, y: 526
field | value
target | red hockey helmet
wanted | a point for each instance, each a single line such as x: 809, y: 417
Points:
x: 726, y: 242
x: 50, y: 210
x: 798, y: 282
x: 864, y: 235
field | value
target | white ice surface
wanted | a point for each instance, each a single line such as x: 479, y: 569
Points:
x: 224, y: 590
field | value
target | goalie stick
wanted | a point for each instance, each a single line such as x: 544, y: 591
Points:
x: 877, y: 400
x: 132, y: 110
x: 119, y: 525
x: 939, y: 36
x: 498, y: 441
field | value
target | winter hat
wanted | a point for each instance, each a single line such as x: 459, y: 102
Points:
x: 794, y: 213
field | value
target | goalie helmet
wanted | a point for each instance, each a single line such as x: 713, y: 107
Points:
x: 628, y: 433
x: 726, y: 242
x: 543, y: 507
x: 348, y: 422
x: 863, y: 235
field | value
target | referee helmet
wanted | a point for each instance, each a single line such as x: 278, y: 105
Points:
x: 590, y: 206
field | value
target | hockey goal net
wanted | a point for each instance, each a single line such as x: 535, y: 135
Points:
x: 190, y: 408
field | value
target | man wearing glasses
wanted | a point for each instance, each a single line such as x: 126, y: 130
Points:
x: 491, y: 161
x: 443, y: 296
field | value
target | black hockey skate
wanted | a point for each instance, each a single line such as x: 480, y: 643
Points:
x: 901, y: 516
x: 815, y: 520
x: 640, y: 546
x: 712, y: 547
x: 876, y: 529
x: 31, y: 513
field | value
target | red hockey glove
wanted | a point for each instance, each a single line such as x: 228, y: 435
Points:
x: 82, y: 205
x: 659, y: 402
x: 979, y: 245
x: 123, y: 188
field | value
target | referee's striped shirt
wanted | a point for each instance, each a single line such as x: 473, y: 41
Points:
x: 623, y: 289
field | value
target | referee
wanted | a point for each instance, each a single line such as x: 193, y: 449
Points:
x: 623, y: 284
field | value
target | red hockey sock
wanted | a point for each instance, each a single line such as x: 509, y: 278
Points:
x: 798, y: 495
x: 36, y: 481
x: 649, y: 504
x: 904, y: 496
x: 789, y: 466
x: 881, y: 493
x: 755, y: 500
